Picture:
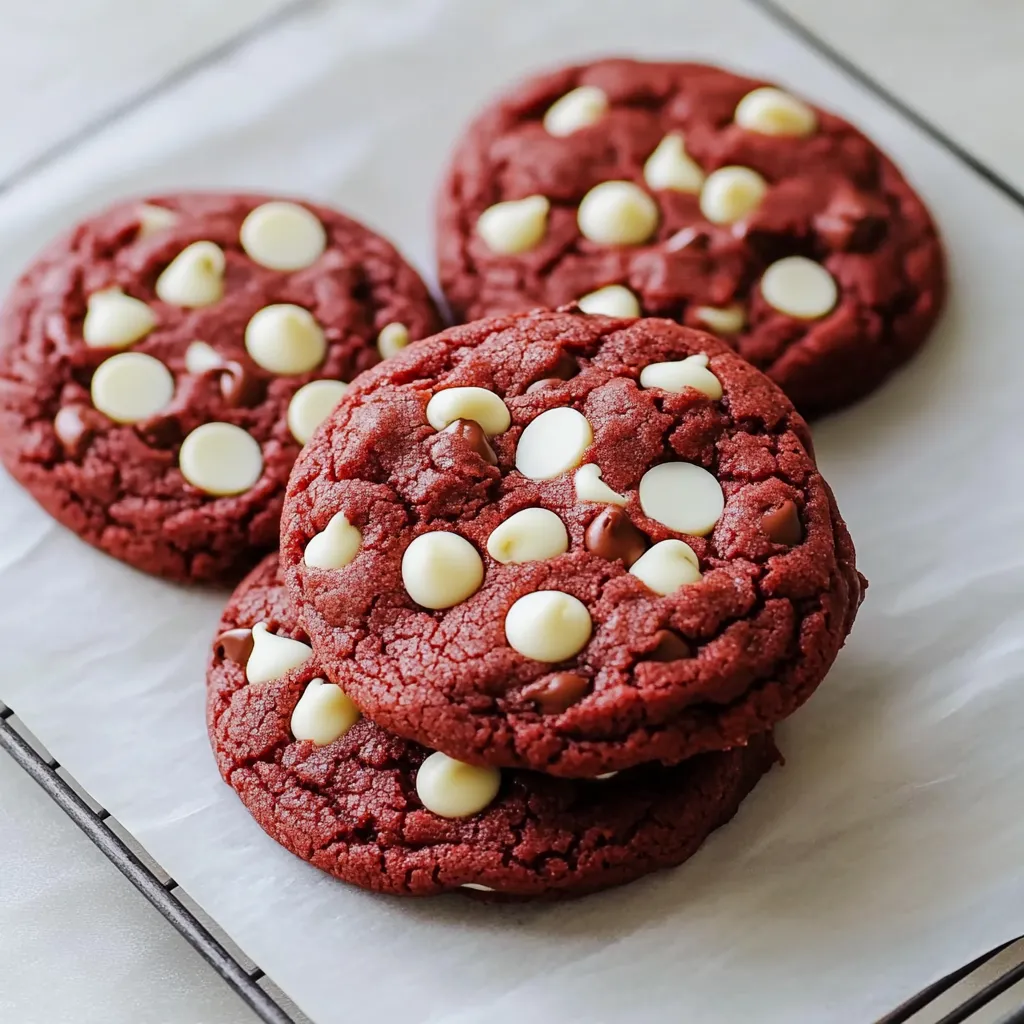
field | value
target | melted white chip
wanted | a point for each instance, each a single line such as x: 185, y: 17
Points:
x: 675, y: 377
x: 194, y: 278
x: 771, y: 111
x: 514, y: 226
x: 441, y: 569
x: 311, y: 405
x: 283, y: 236
x: 335, y: 546
x: 730, y: 193
x: 575, y: 110
x: 800, y: 288
x: 221, y: 459
x: 548, y: 625
x: 612, y: 300
x: 200, y: 357
x: 273, y: 656
x: 722, y: 319
x: 323, y: 714
x: 285, y: 339
x: 683, y: 497
x: 154, y: 219
x: 476, y: 404
x: 667, y: 566
x: 454, y: 789
x: 553, y: 443
x: 530, y: 535
x: 115, y: 320
x: 590, y: 487
x: 671, y: 167
x: 131, y: 386
x: 392, y: 339
x: 617, y: 213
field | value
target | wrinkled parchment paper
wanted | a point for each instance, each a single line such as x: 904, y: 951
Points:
x: 887, y: 851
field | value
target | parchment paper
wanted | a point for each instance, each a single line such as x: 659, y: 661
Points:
x: 885, y: 853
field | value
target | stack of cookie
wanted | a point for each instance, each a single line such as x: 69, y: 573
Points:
x: 546, y: 581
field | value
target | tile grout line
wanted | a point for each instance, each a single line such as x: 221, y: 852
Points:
x: 69, y: 143
x: 796, y: 28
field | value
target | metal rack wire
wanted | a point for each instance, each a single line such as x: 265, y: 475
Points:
x: 164, y: 896
x: 161, y: 894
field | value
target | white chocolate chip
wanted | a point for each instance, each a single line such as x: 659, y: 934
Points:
x: 221, y: 459
x: 683, y: 497
x: 671, y: 167
x: 606, y: 775
x: 272, y: 656
x: 115, y: 320
x: 553, y: 443
x: 617, y: 213
x: 730, y: 193
x: 285, y: 339
x: 283, y: 236
x: 722, y: 319
x: 154, y: 219
x: 454, y: 789
x: 531, y: 535
x: 477, y: 886
x: 576, y: 109
x: 681, y: 239
x: 335, y: 546
x: 311, y: 405
x: 194, y: 278
x: 667, y: 566
x: 590, y: 487
x: 548, y: 625
x: 675, y: 377
x: 771, y: 111
x: 392, y: 339
x: 800, y: 288
x: 476, y: 404
x: 323, y: 714
x: 441, y: 569
x: 200, y: 357
x: 131, y: 386
x: 613, y: 300
x: 514, y: 226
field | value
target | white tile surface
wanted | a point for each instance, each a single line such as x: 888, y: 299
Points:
x: 64, y: 63
x: 78, y: 944
x: 957, y: 62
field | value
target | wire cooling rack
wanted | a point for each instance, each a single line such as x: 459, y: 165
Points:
x: 943, y: 1002
x: 929, y: 1006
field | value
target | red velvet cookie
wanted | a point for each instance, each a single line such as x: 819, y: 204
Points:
x: 162, y: 364
x: 689, y: 192
x: 569, y: 543
x: 387, y: 814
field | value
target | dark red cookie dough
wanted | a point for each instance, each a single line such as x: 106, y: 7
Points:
x: 351, y: 807
x: 118, y: 486
x: 665, y: 677
x: 832, y: 197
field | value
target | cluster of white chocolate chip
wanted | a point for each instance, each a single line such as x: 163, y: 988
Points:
x: 283, y: 339
x: 441, y: 569
x: 324, y: 713
x: 621, y: 213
